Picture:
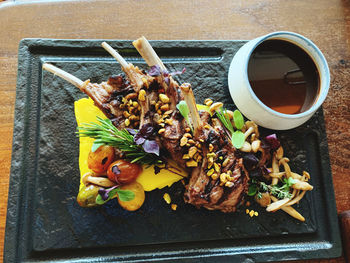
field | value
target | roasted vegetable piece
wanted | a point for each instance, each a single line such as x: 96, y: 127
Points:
x: 87, y: 196
x: 137, y: 202
x: 123, y: 172
x: 99, y: 160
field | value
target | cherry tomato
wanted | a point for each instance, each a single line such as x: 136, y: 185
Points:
x: 135, y: 203
x: 123, y: 172
x: 99, y: 160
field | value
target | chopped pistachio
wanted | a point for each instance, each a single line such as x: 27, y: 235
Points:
x: 192, y: 142
x: 223, y: 178
x: 187, y: 135
x: 167, y: 198
x: 210, y: 172
x: 215, y: 176
x: 191, y: 163
x: 217, y: 167
x: 164, y: 98
x: 183, y: 141
x: 169, y: 121
x: 186, y: 157
x: 192, y: 151
x: 164, y: 107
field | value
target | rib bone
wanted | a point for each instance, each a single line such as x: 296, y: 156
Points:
x: 191, y: 104
x: 65, y: 75
x: 134, y: 73
x: 150, y: 56
x: 115, y: 54
x: 135, y: 76
x: 147, y: 52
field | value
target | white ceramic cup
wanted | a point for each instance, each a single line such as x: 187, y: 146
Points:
x: 250, y: 105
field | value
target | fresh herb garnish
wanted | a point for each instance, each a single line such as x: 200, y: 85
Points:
x: 105, y: 133
x: 145, y: 137
x: 183, y: 109
x: 222, y: 115
x: 104, y: 195
x: 238, y: 139
x: 237, y: 136
x: 281, y: 192
x: 238, y: 119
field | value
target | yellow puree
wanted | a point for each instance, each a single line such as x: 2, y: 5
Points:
x: 86, y: 112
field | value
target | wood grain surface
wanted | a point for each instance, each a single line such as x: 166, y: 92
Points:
x: 325, y: 22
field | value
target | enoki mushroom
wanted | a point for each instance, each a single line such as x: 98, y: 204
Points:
x: 299, y: 187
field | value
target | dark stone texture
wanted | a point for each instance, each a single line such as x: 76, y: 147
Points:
x: 45, y: 223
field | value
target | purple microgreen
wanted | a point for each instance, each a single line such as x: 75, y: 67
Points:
x: 165, y: 73
x: 154, y: 71
x: 272, y: 141
x: 132, y: 131
x: 138, y: 139
x: 265, y: 170
x: 106, y: 193
x: 167, y: 80
x: 151, y: 146
x: 178, y: 72
x: 147, y: 130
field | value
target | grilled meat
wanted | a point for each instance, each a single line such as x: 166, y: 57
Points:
x: 220, y: 181
x: 110, y: 96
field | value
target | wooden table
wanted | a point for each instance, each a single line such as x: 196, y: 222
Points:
x: 326, y: 22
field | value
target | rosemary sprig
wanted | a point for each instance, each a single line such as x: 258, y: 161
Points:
x: 105, y: 133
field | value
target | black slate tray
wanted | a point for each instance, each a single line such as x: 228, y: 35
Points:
x: 45, y: 224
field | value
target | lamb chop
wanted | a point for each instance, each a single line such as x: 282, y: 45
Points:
x: 140, y: 100
x: 112, y: 97
x: 172, y: 125
x: 220, y: 181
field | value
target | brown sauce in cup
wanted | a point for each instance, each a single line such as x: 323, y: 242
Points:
x: 283, y: 76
